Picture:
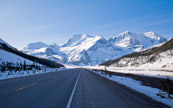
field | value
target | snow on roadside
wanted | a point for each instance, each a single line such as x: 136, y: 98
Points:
x: 148, y: 72
x: 153, y: 72
x: 136, y: 85
x: 5, y: 75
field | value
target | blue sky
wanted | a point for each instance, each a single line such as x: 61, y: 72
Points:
x: 54, y: 21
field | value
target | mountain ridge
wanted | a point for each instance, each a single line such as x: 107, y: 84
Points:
x: 85, y: 49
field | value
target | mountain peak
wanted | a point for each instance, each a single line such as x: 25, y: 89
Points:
x: 152, y: 34
x: 137, y: 41
x: 126, y: 32
x: 155, y: 36
x: 79, y: 36
x: 77, y: 39
x: 36, y: 45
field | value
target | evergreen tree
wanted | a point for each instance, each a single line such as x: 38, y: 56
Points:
x: 3, y: 66
x: 24, y: 65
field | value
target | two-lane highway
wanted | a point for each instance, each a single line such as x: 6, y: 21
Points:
x: 76, y: 88
x: 49, y: 90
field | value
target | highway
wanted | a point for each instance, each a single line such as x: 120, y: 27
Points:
x: 72, y: 88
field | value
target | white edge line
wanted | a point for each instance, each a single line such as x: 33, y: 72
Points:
x: 71, y: 97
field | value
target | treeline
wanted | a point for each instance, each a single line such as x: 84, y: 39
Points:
x: 10, y: 66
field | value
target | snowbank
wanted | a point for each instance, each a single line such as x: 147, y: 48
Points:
x: 155, y: 72
x: 136, y: 85
x: 7, y: 74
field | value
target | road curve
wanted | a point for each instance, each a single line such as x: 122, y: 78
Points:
x: 76, y: 88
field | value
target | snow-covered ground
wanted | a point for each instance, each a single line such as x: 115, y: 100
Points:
x: 162, y: 60
x: 136, y: 85
x: 10, y: 57
x: 7, y: 74
x: 157, y: 72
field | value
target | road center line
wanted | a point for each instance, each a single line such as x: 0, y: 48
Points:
x: 71, y: 97
x: 26, y: 86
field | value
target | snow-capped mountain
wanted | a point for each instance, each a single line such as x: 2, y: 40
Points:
x: 12, y: 55
x: 91, y: 50
x: 78, y: 46
x: 43, y: 50
x: 36, y: 45
x: 158, y: 56
x: 137, y: 41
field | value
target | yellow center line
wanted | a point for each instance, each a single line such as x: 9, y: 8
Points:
x: 34, y: 84
x: 26, y: 86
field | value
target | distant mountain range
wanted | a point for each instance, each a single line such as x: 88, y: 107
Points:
x: 12, y: 55
x: 92, y: 50
x: 159, y: 56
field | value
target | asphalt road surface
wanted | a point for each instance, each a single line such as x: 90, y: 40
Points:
x: 74, y: 88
